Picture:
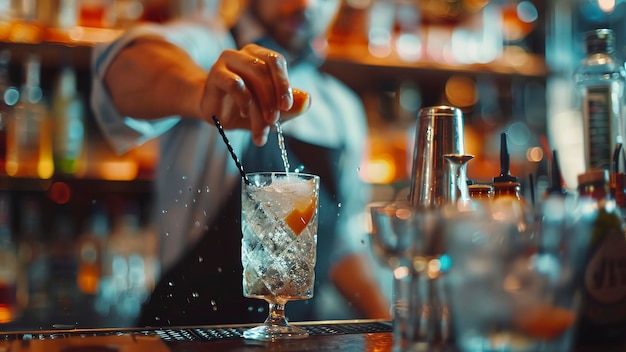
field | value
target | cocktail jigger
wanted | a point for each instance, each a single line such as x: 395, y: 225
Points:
x: 457, y: 190
x: 439, y: 132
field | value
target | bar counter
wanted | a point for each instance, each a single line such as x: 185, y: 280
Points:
x: 353, y: 335
x: 358, y: 335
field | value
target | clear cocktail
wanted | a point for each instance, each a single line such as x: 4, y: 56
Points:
x: 278, y: 248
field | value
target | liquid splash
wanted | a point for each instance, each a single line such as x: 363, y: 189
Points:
x: 281, y: 145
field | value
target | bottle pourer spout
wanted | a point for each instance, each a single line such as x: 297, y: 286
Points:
x: 556, y: 180
x: 505, y: 162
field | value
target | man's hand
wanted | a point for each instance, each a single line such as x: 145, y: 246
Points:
x: 250, y: 88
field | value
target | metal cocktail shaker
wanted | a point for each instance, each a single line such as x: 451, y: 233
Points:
x: 439, y: 133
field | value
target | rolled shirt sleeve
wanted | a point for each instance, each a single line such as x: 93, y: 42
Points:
x: 202, y: 41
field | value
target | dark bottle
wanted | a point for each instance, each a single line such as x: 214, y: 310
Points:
x: 479, y: 192
x: 600, y: 87
x: 603, y: 306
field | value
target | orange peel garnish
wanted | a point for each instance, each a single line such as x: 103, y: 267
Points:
x: 300, y: 217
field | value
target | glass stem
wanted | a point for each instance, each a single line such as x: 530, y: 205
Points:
x: 277, y: 315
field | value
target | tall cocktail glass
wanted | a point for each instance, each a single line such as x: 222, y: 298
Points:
x: 278, y: 248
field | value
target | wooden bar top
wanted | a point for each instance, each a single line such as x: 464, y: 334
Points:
x: 324, y: 336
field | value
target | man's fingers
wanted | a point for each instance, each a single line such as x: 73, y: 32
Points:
x: 280, y: 97
x: 258, y: 127
x: 258, y: 78
x: 301, y: 103
x: 235, y: 87
x: 277, y: 65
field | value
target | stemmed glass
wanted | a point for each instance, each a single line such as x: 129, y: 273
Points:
x: 278, y: 248
x: 407, y: 240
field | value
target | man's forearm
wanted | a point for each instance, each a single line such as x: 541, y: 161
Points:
x: 152, y: 78
x: 353, y: 278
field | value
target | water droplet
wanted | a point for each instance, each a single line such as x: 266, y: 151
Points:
x: 260, y: 309
x: 186, y: 205
x: 219, y: 269
x: 214, y: 305
x: 194, y: 200
x: 250, y: 308
x: 200, y: 259
x: 199, y: 191
x: 208, y: 189
x: 163, y: 211
x: 167, y: 234
x: 197, y: 224
x: 339, y: 205
x: 195, y: 295
x: 180, y: 191
x: 204, y: 213
x: 170, y: 283
x: 185, y: 177
x: 157, y: 318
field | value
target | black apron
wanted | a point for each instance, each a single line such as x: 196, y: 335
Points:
x: 205, y: 286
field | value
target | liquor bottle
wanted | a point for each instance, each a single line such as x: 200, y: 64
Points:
x: 9, y: 96
x: 507, y: 195
x: 28, y: 139
x: 603, y: 305
x: 600, y: 93
x: 68, y: 129
x: 125, y: 270
x: 34, y: 258
x: 480, y: 192
x: 25, y: 26
x: 9, y: 265
x: 63, y: 267
x: 90, y: 252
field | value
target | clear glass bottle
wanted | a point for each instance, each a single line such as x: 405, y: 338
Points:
x: 600, y: 89
x: 29, y: 149
x: 68, y: 129
x: 603, y: 305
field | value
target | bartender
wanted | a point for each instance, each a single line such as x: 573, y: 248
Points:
x: 166, y: 81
